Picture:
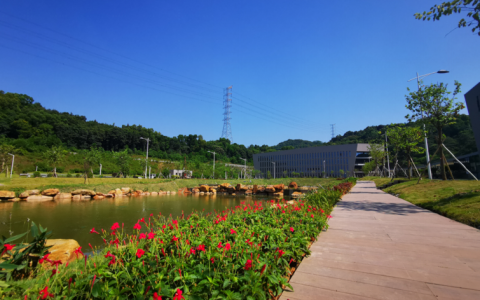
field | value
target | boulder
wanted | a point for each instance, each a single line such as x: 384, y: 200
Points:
x: 241, y: 187
x: 204, y: 188
x: 248, y: 192
x: 168, y: 192
x: 62, y: 250
x: 111, y: 192
x: 98, y: 197
x: 194, y: 190
x: 7, y: 194
x: 118, y: 193
x: 296, y: 194
x: 261, y: 189
x: 255, y: 189
x: 302, y: 188
x: 126, y: 190
x: 63, y: 196
x: 173, y: 193
x: 278, y: 194
x: 39, y: 198
x: 225, y: 185
x: 202, y: 193
x: 84, y: 192
x: 270, y: 189
x: 293, y: 185
x: 108, y: 195
x: 233, y: 194
x: 279, y: 187
x: 50, y: 192
x: 154, y: 193
x: 81, y: 198
x: 213, y: 191
x: 13, y: 199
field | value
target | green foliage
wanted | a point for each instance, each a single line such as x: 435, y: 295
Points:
x: 406, y: 139
x: 36, y: 174
x: 54, y: 156
x: 295, y: 144
x: 451, y: 7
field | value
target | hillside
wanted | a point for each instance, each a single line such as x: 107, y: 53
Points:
x: 294, y: 144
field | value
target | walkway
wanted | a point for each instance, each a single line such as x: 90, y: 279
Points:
x: 381, y: 247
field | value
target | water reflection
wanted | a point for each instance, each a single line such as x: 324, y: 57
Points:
x: 74, y: 219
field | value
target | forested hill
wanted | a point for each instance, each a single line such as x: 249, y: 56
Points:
x: 294, y: 144
x: 32, y: 128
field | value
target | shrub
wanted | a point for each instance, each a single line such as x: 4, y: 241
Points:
x: 244, y: 252
x: 49, y: 175
x: 36, y: 174
x: 77, y: 175
x: 69, y: 175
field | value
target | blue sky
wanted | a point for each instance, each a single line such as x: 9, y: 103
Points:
x: 295, y: 66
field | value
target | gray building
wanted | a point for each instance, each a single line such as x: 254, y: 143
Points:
x: 472, y: 98
x: 313, y: 161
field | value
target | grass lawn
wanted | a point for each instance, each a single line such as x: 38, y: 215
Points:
x: 456, y: 199
x: 106, y: 184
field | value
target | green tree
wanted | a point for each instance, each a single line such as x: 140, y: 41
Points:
x: 342, y: 172
x: 5, y: 157
x: 285, y: 173
x: 55, y: 156
x: 269, y: 174
x: 453, y: 7
x: 90, y: 158
x: 439, y: 109
x: 377, y: 154
x: 123, y: 160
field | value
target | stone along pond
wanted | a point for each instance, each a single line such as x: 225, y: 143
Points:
x: 74, y: 219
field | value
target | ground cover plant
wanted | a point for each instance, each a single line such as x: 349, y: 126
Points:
x: 245, y: 252
x: 455, y: 199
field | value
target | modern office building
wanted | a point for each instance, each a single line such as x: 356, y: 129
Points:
x: 472, y: 98
x: 314, y: 161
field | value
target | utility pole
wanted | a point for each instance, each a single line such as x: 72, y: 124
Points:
x: 11, y: 169
x: 146, y: 159
x: 333, y: 130
x: 245, y: 168
x: 227, y: 104
x: 273, y: 169
x: 100, y: 170
x: 213, y: 163
x: 323, y: 168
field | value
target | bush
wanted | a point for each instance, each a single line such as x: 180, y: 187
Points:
x: 49, y: 175
x: 69, y: 175
x: 244, y: 252
x: 77, y: 175
x: 36, y: 174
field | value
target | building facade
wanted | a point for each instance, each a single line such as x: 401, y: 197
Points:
x: 472, y: 98
x: 314, y: 161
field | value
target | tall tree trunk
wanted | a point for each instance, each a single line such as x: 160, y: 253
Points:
x: 442, y: 163
x: 55, y: 172
x: 409, y: 169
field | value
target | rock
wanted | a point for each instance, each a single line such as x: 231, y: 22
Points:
x: 270, y: 189
x: 278, y: 194
x: 202, y: 193
x: 225, y: 185
x: 291, y: 202
x: 63, y: 196
x: 194, y: 190
x: 248, y: 192
x: 146, y: 194
x: 260, y: 189
x: 293, y: 185
x: 13, y: 199
x: 81, y: 198
x: 154, y: 193
x: 118, y: 193
x: 24, y: 194
x: 302, y: 188
x: 84, y: 192
x: 233, y: 194
x: 173, y: 193
x: 296, y: 194
x: 204, y: 188
x: 279, y: 187
x: 39, y: 198
x: 126, y: 190
x: 50, y: 192
x: 255, y: 189
x: 111, y: 192
x: 241, y: 187
x: 168, y: 192
x: 108, y: 195
x: 7, y: 194
x: 98, y: 197
x: 62, y: 250
x: 213, y: 191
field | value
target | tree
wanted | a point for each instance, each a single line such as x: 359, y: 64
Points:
x: 406, y: 139
x: 455, y: 6
x: 285, y: 173
x: 54, y: 156
x: 5, y: 157
x: 342, y: 172
x: 377, y: 154
x: 123, y: 161
x: 269, y: 174
x: 439, y: 110
x: 90, y: 157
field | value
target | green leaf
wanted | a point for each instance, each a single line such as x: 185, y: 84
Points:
x: 13, y: 238
x: 97, y: 289
x: 8, y: 266
x: 226, y: 283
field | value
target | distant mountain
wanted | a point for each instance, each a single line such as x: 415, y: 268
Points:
x: 294, y: 144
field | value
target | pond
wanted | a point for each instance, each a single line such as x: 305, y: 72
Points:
x: 74, y: 219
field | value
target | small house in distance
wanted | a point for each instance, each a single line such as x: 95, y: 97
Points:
x: 179, y: 173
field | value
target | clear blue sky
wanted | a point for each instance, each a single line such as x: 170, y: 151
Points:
x: 295, y: 66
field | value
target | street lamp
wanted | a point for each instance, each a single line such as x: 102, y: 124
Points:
x: 424, y: 130
x: 100, y: 170
x: 273, y: 169
x: 324, y: 169
x: 213, y: 163
x: 11, y: 169
x: 245, y: 169
x: 146, y: 159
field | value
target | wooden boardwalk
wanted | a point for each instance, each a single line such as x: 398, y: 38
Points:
x: 381, y: 247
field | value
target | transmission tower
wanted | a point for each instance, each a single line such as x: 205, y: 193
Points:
x: 227, y: 105
x: 333, y: 130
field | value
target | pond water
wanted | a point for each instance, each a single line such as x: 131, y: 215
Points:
x: 74, y: 219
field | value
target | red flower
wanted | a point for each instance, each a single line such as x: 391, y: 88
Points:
x: 78, y: 251
x: 56, y: 263
x: 248, y: 265
x: 280, y: 253
x: 227, y: 246
x: 137, y: 226
x: 178, y: 295
x: 174, y: 239
x: 141, y: 220
x: 232, y: 231
x: 212, y: 260
x: 112, y: 261
x: 201, y: 248
x: 312, y: 216
x: 192, y: 250
x: 151, y: 235
x: 220, y: 245
x: 164, y: 226
x: 54, y: 271
x: 93, y: 231
x: 109, y: 255
x: 44, y: 258
x: 140, y: 253
x: 156, y: 296
x: 8, y: 247
x: 291, y: 229
x: 263, y: 269
x: 329, y: 216
x: 142, y: 236
x: 151, y: 215
x: 115, y: 226
x: 45, y: 294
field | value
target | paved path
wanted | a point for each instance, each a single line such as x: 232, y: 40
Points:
x: 382, y: 247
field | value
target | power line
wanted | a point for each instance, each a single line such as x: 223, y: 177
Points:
x: 227, y: 105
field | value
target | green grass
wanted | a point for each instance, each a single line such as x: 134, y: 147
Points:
x: 106, y: 184
x: 456, y: 199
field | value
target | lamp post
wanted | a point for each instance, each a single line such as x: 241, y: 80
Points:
x: 146, y: 159
x: 425, y: 133
x: 11, y: 169
x: 213, y: 163
x: 245, y: 169
x: 324, y: 169
x: 100, y: 170
x: 273, y: 169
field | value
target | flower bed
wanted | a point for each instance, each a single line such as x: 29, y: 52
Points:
x: 246, y: 251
